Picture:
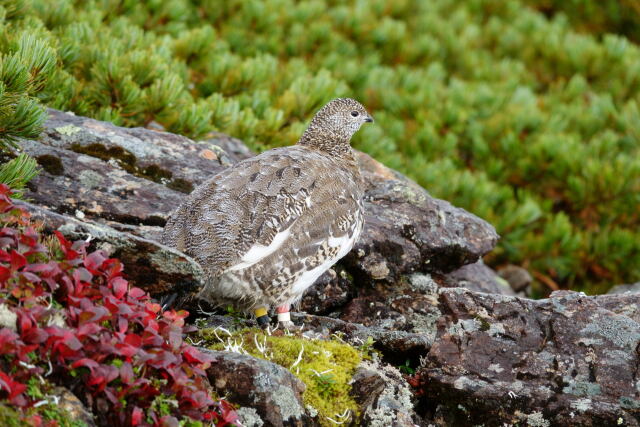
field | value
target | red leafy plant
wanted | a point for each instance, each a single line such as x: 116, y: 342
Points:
x: 71, y: 316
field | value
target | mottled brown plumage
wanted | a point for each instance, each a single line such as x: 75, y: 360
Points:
x: 264, y: 229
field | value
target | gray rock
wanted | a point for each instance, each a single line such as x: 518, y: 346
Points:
x: 395, y: 345
x: 383, y: 396
x: 270, y: 390
x: 477, y: 277
x: 567, y: 360
x: 249, y: 417
x: 518, y: 278
x: 406, y: 230
x: 131, y: 176
x: 620, y: 289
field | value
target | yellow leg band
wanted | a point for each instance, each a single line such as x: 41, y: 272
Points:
x: 259, y: 312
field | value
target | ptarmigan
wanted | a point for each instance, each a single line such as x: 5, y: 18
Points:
x: 266, y: 228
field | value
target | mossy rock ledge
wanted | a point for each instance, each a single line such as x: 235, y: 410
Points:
x: 419, y: 330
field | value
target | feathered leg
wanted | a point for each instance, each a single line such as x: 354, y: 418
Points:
x: 284, y: 317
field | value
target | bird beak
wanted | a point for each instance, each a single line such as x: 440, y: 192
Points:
x: 368, y: 119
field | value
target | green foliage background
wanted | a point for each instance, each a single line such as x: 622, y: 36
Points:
x: 525, y: 121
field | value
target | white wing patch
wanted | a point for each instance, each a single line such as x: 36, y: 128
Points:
x: 308, y: 278
x: 258, y: 252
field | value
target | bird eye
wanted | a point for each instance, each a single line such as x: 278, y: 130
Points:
x: 355, y: 113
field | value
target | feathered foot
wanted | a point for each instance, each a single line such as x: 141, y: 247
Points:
x: 284, y: 317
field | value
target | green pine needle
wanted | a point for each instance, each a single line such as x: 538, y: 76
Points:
x: 16, y: 173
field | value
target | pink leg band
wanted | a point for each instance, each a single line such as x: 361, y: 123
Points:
x: 283, y: 308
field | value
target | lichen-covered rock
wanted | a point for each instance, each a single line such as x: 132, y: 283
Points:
x: 620, y: 289
x: 271, y: 390
x: 383, y: 395
x: 567, y: 360
x: 476, y: 277
x: 406, y: 230
x: 395, y: 345
x: 133, y: 176
x: 411, y: 305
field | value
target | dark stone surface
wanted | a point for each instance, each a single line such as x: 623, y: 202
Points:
x: 476, y: 277
x: 132, y: 176
x: 406, y: 230
x: 148, y: 264
x: 331, y: 291
x: 271, y: 390
x: 383, y: 396
x: 567, y: 360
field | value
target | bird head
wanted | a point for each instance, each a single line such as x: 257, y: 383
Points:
x: 336, y: 123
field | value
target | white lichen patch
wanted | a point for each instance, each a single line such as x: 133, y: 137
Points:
x: 393, y: 403
x: 590, y: 341
x: 620, y: 330
x: 423, y: 283
x: 249, y: 417
x: 284, y: 398
x: 496, y: 329
x: 462, y: 326
x: 464, y: 383
x: 581, y: 405
x: 313, y: 412
x: 581, y: 388
x: 495, y: 368
x: 617, y: 357
x: 90, y: 179
x: 171, y: 261
x: 517, y: 386
x: 68, y: 130
x: 7, y: 318
x: 536, y: 419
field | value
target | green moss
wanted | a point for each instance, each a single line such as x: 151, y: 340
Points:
x: 127, y: 161
x: 484, y: 324
x: 50, y: 164
x: 125, y: 158
x: 181, y: 185
x: 325, y: 366
x: 156, y: 173
x: 54, y: 413
x: 9, y: 417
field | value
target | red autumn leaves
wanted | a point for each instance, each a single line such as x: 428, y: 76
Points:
x: 71, y: 317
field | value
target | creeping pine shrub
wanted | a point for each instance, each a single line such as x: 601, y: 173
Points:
x: 70, y: 316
